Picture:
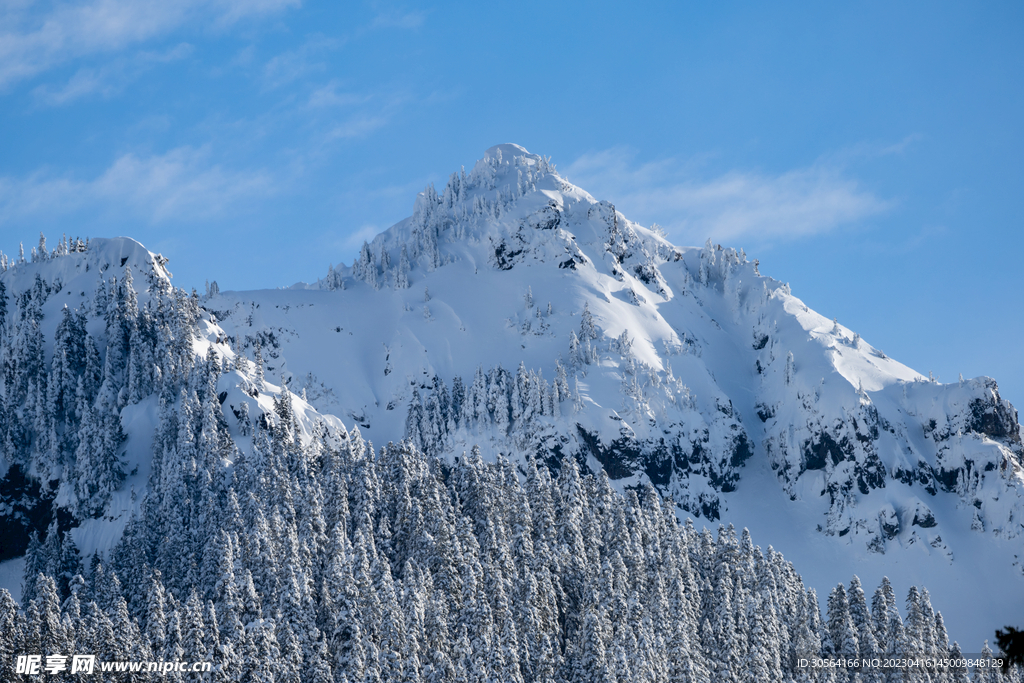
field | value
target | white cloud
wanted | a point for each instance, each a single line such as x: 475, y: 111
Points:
x: 108, y: 80
x: 31, y: 43
x: 105, y: 82
x: 231, y: 11
x: 350, y: 115
x: 397, y: 19
x: 331, y: 95
x: 292, y: 65
x: 738, y: 205
x: 873, y: 150
x: 358, y: 127
x: 386, y: 16
x: 180, y: 185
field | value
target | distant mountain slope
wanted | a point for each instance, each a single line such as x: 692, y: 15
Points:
x: 514, y: 311
x: 684, y: 367
x: 682, y: 363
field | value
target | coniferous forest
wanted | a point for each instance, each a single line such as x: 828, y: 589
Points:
x: 314, y: 557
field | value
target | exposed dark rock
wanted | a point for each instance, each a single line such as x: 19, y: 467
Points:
x: 817, y: 455
x: 547, y: 218
x: 870, y: 474
x: 619, y: 457
x: 923, y: 518
x: 505, y: 256
x: 904, y: 476
x: 926, y: 477
x: 947, y: 478
x: 646, y: 273
x: 25, y: 507
x: 661, y: 460
x: 889, y: 523
x: 709, y: 507
x: 741, y: 451
x: 552, y: 457
x: 658, y: 465
x: 994, y: 418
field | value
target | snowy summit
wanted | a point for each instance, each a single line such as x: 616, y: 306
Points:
x: 512, y: 319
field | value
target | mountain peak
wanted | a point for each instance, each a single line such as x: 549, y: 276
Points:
x: 80, y: 263
x: 508, y: 151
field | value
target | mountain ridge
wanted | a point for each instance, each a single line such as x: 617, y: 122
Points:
x: 679, y: 367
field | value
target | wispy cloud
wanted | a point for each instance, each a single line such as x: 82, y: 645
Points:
x: 387, y: 16
x: 293, y: 65
x: 738, y: 205
x: 32, y: 43
x: 862, y: 151
x: 109, y: 79
x: 357, y: 127
x: 181, y: 184
x: 332, y: 95
x: 398, y: 19
x: 348, y: 114
x: 231, y: 11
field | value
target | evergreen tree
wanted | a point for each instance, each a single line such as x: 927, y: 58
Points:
x: 3, y: 308
x: 156, y: 615
x: 45, y: 633
x: 68, y: 566
x: 257, y: 355
x: 863, y: 626
x: 575, y: 350
x: 98, y: 467
x: 12, y: 629
x: 402, y: 274
x: 35, y: 564
x: 588, y: 331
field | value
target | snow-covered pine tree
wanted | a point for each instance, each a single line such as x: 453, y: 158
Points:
x: 11, y: 634
x: 3, y: 308
x: 863, y: 627
x: 257, y: 354
x: 402, y: 273
x: 588, y: 331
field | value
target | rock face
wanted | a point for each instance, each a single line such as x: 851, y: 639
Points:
x: 961, y: 439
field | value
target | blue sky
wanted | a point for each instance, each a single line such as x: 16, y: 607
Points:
x: 870, y: 154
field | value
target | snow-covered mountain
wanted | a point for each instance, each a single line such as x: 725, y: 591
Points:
x: 514, y: 312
